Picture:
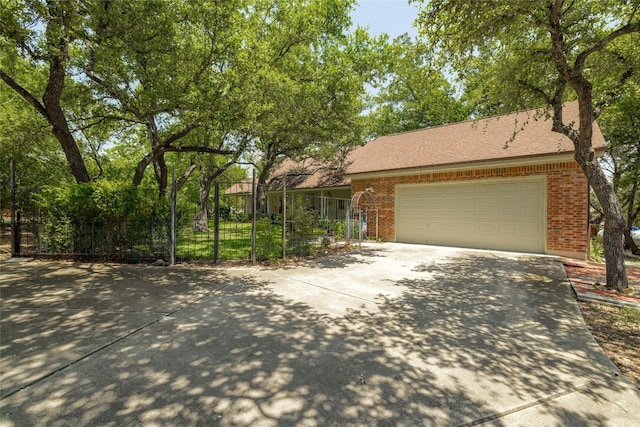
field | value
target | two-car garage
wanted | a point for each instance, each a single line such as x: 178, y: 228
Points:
x: 491, y: 214
x: 506, y: 183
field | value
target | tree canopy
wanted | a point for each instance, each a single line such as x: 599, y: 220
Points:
x: 122, y: 91
x: 281, y: 78
x: 412, y: 91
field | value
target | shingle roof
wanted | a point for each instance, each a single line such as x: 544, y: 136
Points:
x: 302, y: 175
x: 241, y: 187
x: 526, y: 133
x: 307, y: 174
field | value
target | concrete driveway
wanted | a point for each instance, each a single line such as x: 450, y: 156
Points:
x: 390, y: 335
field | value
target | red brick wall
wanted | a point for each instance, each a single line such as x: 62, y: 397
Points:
x: 567, y: 200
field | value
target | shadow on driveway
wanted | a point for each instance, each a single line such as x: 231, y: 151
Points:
x: 467, y: 338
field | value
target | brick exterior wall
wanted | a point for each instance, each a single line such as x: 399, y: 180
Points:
x: 567, y: 200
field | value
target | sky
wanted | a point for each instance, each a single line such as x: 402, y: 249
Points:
x: 393, y: 17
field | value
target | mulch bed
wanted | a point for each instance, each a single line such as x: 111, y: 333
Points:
x: 593, y: 275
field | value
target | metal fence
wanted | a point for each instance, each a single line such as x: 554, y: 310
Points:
x: 173, y: 229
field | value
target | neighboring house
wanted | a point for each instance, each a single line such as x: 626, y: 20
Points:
x: 504, y: 183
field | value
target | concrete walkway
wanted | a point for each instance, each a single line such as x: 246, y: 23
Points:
x: 391, y: 335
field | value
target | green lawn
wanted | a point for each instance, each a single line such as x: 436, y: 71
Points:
x: 235, y: 241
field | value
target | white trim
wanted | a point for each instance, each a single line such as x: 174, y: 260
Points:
x: 490, y: 164
x: 298, y: 190
x: 314, y: 189
x: 475, y: 181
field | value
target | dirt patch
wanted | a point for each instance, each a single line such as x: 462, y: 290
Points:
x: 616, y: 329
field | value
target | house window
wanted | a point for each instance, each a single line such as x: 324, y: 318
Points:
x: 341, y: 204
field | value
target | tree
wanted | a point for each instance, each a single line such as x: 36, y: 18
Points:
x: 164, y: 66
x: 310, y: 82
x: 413, y: 93
x: 105, y: 67
x: 36, y: 39
x: 562, y: 44
x: 212, y: 168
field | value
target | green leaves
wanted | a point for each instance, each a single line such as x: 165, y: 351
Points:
x: 413, y: 93
x: 309, y: 85
x: 545, y: 53
x: 126, y: 82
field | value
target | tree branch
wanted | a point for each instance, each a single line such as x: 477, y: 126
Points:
x: 180, y: 134
x: 602, y: 43
x: 185, y: 176
x: 24, y: 93
x: 197, y: 149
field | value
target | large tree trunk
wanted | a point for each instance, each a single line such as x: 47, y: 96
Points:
x: 201, y: 223
x: 57, y: 37
x: 614, y: 222
x: 162, y: 174
x: 67, y: 141
x: 261, y: 189
x: 613, y: 241
x: 56, y: 33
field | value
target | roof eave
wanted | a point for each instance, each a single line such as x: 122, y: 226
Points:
x: 462, y: 166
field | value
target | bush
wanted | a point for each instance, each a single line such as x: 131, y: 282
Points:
x: 103, y: 217
x: 340, y: 230
x: 267, y: 242
x: 301, y: 225
x: 56, y: 235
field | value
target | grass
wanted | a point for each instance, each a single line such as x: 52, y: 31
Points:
x: 235, y: 242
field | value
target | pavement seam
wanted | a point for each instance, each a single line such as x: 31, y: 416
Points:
x: 332, y: 290
x: 525, y: 406
x: 109, y: 344
x: 79, y: 310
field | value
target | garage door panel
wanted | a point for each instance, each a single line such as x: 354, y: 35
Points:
x: 508, y: 228
x: 505, y: 215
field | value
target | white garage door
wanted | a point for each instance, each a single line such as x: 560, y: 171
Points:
x: 503, y: 215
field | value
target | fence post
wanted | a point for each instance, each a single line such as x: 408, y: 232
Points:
x: 284, y: 217
x: 15, y: 224
x: 216, y: 222
x: 173, y: 216
x: 359, y: 228
x: 253, y: 217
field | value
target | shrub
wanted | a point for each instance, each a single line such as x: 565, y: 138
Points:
x: 266, y: 240
x: 103, y: 217
x: 340, y: 230
x: 302, y: 224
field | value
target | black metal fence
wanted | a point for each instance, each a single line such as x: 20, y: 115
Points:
x: 140, y: 226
